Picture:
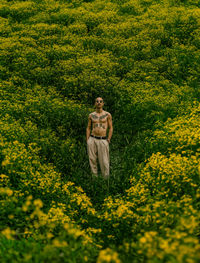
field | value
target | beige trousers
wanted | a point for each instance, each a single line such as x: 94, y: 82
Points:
x: 98, y: 149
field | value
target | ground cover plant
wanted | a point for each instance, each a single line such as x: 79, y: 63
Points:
x: 143, y: 58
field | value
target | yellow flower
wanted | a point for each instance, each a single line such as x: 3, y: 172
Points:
x: 8, y: 233
x: 5, y: 162
x: 143, y: 240
x: 58, y: 243
x: 38, y: 203
x: 107, y: 256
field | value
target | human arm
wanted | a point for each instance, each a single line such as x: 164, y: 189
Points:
x: 88, y: 129
x: 110, y: 126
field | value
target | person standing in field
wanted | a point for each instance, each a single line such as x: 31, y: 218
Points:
x: 99, y: 122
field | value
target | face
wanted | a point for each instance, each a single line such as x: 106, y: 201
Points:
x: 99, y: 102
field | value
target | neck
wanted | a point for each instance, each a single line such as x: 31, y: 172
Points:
x: 99, y: 110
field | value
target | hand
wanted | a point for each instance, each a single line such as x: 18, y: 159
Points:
x: 108, y: 140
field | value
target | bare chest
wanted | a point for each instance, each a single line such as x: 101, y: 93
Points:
x: 99, y: 119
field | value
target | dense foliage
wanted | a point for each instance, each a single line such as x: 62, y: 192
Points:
x: 143, y: 58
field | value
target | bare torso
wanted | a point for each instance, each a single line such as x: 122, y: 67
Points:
x: 99, y: 123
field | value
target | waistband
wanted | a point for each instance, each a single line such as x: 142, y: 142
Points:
x: 99, y: 138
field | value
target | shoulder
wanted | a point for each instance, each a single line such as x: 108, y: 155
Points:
x: 92, y: 115
x: 108, y: 114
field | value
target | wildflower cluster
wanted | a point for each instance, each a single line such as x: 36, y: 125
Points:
x: 159, y: 215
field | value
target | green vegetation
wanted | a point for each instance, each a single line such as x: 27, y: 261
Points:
x: 143, y: 58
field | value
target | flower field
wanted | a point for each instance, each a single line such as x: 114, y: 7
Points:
x: 143, y: 58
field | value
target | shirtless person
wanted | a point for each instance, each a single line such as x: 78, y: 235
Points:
x: 97, y: 141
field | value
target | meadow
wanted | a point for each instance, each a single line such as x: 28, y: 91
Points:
x: 143, y: 58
